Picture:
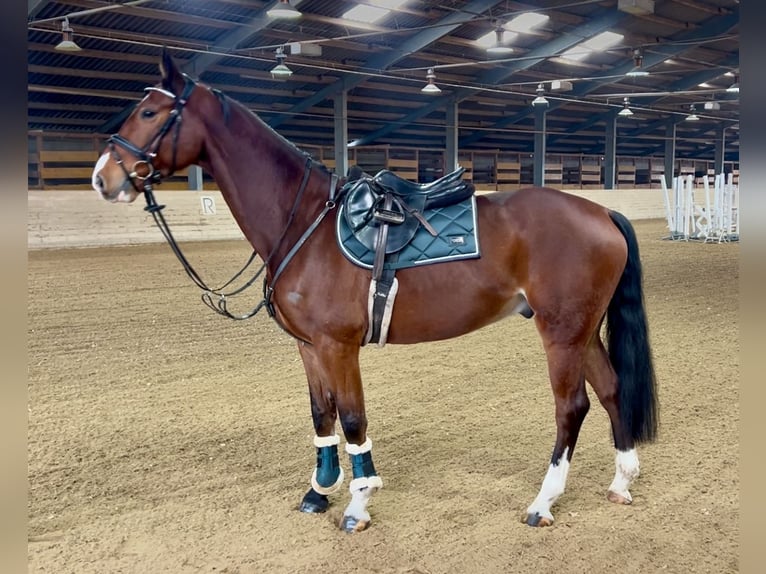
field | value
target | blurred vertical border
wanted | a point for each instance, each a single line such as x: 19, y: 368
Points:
x: 752, y: 282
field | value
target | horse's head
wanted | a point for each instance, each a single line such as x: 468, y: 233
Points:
x: 153, y: 141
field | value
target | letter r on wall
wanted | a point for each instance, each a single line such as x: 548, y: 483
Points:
x: 208, y: 204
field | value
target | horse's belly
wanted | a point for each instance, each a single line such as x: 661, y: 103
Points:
x: 448, y: 314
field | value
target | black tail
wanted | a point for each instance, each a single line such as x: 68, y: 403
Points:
x: 628, y: 343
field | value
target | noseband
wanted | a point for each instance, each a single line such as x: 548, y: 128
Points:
x: 147, y: 153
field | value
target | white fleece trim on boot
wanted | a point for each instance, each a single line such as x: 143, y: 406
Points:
x: 322, y: 441
x: 326, y: 489
x: 366, y: 446
x: 373, y: 482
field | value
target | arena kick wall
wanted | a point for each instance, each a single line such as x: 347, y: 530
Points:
x: 67, y: 218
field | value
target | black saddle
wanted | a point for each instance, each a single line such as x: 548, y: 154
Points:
x: 387, y: 199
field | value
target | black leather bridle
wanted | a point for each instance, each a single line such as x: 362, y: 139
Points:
x: 147, y: 153
x: 216, y: 299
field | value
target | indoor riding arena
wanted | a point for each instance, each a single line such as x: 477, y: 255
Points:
x: 167, y: 437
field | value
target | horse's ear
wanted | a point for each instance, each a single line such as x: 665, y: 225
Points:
x: 172, y: 79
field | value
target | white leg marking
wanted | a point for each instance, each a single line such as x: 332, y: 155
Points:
x: 553, y: 486
x: 626, y: 470
x: 99, y: 166
x: 361, y: 488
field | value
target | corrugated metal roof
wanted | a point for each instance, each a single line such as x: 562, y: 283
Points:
x: 230, y: 44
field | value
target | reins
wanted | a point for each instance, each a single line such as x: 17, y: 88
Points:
x: 209, y: 293
x: 216, y: 299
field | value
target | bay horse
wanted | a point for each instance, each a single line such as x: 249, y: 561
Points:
x: 569, y: 263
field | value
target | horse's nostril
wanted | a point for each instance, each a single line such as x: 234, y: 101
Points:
x: 100, y: 183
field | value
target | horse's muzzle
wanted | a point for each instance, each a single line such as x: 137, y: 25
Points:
x: 114, y: 191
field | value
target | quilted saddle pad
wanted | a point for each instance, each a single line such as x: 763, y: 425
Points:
x: 457, y: 238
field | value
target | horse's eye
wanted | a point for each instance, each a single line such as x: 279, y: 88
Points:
x: 148, y: 113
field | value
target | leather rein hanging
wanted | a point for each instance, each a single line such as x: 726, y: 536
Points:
x: 216, y: 299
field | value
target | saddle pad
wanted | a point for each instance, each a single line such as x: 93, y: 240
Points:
x: 457, y: 238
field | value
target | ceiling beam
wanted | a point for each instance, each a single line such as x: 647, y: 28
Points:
x: 94, y: 54
x: 84, y: 108
x: 196, y: 65
x: 407, y: 47
x: 63, y: 121
x: 683, y: 84
x: 146, y: 12
x: 92, y: 74
x: 34, y: 7
x: 201, y: 62
x: 603, y: 20
x: 88, y: 92
x: 710, y: 27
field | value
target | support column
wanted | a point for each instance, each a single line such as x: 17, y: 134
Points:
x: 340, y: 110
x: 720, y: 149
x: 194, y: 178
x: 538, y: 177
x: 610, y: 151
x: 451, y: 125
x: 670, y: 152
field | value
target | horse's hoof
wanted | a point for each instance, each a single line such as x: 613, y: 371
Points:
x: 535, y: 519
x: 314, y: 503
x: 351, y: 524
x: 618, y: 498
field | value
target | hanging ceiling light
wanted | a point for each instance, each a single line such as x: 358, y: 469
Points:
x: 638, y: 62
x: 499, y: 47
x: 281, y: 71
x: 625, y: 111
x: 67, y: 43
x: 431, y: 87
x: 734, y: 88
x: 540, y: 99
x: 692, y: 117
x: 283, y: 9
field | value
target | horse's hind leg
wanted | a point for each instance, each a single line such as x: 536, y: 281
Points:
x: 603, y: 379
x: 565, y: 368
x: 336, y: 390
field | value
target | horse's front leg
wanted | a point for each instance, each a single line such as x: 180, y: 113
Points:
x: 328, y: 474
x: 335, y: 388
